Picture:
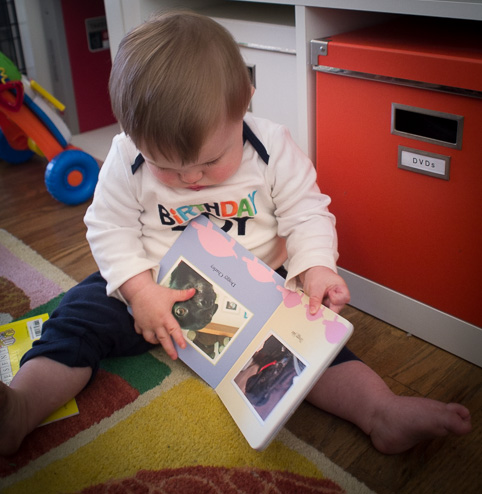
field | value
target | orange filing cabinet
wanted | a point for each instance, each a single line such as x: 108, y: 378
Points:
x: 399, y: 150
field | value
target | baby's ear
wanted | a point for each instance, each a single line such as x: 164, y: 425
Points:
x: 253, y: 89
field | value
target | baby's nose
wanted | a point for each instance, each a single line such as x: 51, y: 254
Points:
x: 191, y: 177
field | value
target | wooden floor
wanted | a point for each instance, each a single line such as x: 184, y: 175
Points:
x: 409, y: 366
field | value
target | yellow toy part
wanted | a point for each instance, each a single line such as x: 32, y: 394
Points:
x: 33, y: 147
x: 45, y: 94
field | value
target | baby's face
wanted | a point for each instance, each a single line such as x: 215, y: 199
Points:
x: 218, y: 160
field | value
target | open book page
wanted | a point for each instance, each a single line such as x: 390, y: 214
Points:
x: 280, y: 366
x: 236, y: 295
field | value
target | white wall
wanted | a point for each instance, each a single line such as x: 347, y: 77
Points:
x: 34, y: 42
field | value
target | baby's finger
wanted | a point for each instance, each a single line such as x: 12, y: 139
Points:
x: 182, y: 295
x: 150, y: 337
x: 175, y: 332
x: 338, y: 298
x: 164, y: 338
x: 314, y: 303
x: 171, y: 331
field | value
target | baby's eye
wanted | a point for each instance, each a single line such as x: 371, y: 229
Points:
x: 211, y: 163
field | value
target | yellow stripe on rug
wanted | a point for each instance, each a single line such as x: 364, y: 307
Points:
x: 186, y: 426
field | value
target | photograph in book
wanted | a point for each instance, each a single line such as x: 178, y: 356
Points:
x: 268, y: 375
x: 251, y: 339
x: 212, y: 318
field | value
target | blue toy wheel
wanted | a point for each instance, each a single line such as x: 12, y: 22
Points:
x: 11, y: 155
x: 71, y: 176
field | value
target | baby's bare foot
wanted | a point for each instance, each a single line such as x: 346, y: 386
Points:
x: 11, y: 419
x: 406, y: 421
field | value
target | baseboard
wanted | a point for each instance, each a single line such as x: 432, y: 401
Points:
x: 436, y: 327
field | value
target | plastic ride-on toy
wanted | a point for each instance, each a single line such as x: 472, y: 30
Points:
x: 30, y: 123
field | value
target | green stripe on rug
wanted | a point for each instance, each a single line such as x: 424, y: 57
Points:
x: 142, y: 372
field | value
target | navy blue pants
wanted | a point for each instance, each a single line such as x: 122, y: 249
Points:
x: 89, y: 326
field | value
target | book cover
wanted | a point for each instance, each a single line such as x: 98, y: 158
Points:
x: 249, y: 338
x: 16, y: 338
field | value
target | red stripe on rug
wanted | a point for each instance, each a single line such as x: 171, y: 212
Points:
x: 107, y: 394
x: 213, y: 480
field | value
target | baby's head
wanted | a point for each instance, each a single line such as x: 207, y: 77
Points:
x: 174, y: 80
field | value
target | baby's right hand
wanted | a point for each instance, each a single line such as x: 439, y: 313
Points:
x: 152, y: 311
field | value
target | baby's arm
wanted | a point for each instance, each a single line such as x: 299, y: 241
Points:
x: 325, y: 287
x: 152, y: 310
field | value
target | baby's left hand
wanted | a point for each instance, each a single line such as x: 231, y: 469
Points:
x: 324, y: 286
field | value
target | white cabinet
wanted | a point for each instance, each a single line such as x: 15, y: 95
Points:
x: 267, y: 38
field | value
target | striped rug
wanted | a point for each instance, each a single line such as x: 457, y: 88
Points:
x: 146, y: 424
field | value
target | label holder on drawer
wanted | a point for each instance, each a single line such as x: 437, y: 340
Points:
x: 418, y: 161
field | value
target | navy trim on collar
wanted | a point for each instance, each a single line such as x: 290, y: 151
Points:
x: 248, y: 135
x: 137, y: 163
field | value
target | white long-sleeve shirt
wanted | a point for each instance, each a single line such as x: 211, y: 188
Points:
x: 275, y: 210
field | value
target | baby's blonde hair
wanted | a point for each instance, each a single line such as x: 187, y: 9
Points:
x: 174, y: 79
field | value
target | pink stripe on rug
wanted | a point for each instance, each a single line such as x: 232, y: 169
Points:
x: 38, y: 288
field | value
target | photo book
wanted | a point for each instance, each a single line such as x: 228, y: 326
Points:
x: 252, y: 340
x: 16, y: 338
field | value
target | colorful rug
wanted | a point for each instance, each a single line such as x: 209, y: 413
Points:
x: 146, y: 424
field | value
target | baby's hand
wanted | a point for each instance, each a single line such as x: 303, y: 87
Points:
x: 152, y: 311
x: 324, y: 286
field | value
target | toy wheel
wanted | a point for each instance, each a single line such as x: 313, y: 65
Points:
x: 11, y: 155
x: 71, y: 176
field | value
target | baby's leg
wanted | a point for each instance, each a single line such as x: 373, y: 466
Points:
x: 354, y: 392
x: 39, y: 388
